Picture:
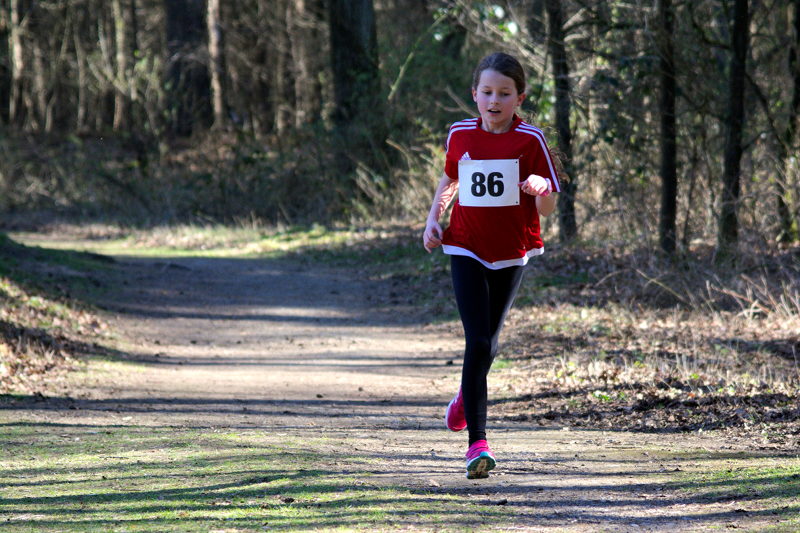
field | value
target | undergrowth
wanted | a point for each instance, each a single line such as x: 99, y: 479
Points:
x: 628, y: 340
x: 221, y: 177
x: 44, y: 328
x: 602, y: 337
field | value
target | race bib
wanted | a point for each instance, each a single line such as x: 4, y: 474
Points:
x: 488, y: 182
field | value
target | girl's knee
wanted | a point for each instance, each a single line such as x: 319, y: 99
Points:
x: 479, y: 347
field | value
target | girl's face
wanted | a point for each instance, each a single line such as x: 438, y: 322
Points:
x: 497, y: 99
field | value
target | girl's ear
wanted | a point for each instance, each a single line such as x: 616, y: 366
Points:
x: 475, y: 96
x: 520, y: 99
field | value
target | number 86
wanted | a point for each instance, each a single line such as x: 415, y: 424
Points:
x: 494, y: 187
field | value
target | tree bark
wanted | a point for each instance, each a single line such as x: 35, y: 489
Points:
x: 5, y: 63
x: 668, y: 171
x: 568, y: 227
x: 354, y: 57
x: 216, y: 59
x: 304, y: 18
x: 16, y: 106
x: 81, y: 112
x: 261, y: 108
x: 36, y: 98
x: 358, y: 112
x: 134, y: 19
x: 187, y: 73
x: 283, y: 72
x: 121, y: 84
x: 536, y: 22
x: 728, y: 229
x: 788, y: 222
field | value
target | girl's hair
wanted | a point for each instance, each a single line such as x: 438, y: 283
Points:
x: 504, y: 64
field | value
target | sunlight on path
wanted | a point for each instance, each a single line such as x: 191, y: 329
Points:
x: 256, y: 394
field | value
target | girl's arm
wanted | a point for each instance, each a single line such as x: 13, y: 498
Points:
x: 432, y: 237
x: 540, y: 188
x: 546, y: 204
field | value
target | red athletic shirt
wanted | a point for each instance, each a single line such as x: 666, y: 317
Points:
x: 503, y: 236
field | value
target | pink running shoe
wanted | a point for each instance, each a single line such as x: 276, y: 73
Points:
x: 454, y: 416
x: 480, y: 460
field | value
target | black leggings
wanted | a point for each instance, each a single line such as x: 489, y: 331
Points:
x: 484, y: 297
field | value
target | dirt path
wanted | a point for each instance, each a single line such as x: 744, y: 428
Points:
x: 307, y: 352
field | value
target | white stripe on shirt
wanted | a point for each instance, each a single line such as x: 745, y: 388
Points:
x: 468, y: 124
x: 524, y: 127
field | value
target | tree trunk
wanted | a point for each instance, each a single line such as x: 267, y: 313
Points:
x: 304, y: 18
x: 187, y: 73
x: 134, y: 18
x: 452, y: 43
x: 669, y: 175
x: 36, y: 98
x: 354, y: 57
x: 788, y: 224
x: 5, y: 63
x: 283, y: 72
x: 568, y: 226
x: 81, y: 113
x: 121, y: 83
x: 358, y: 112
x: 16, y: 106
x: 535, y: 21
x: 216, y: 59
x: 728, y: 230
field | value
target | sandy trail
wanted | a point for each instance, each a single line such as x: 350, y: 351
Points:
x: 307, y: 351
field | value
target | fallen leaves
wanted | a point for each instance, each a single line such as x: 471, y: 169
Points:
x: 641, y: 359
x: 40, y: 338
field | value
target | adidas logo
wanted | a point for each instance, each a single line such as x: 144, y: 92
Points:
x: 466, y: 157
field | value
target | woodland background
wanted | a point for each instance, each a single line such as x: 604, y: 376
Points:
x: 676, y: 121
x: 669, y: 298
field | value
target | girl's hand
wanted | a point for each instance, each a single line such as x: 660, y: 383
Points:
x: 432, y: 237
x: 535, y: 186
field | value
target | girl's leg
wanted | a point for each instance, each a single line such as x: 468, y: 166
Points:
x: 472, y: 297
x: 483, y: 297
x: 503, y: 287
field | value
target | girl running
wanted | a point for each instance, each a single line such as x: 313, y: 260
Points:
x: 504, y: 175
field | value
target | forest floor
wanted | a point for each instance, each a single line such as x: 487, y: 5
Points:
x: 252, y: 392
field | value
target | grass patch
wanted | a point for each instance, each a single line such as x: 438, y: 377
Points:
x: 754, y: 487
x: 500, y: 364
x: 57, y: 477
x: 391, y: 252
x: 393, y: 249
x: 49, y: 270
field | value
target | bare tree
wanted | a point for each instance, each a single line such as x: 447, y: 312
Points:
x: 216, y: 59
x: 356, y: 81
x: 354, y: 56
x: 728, y: 229
x: 16, y: 105
x: 669, y: 176
x: 121, y: 83
x: 283, y: 72
x: 789, y: 222
x: 303, y: 22
x: 5, y: 62
x: 555, y: 38
x: 187, y: 73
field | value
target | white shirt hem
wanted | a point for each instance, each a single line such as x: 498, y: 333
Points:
x: 497, y: 265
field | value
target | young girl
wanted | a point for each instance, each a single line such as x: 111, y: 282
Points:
x: 504, y: 175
